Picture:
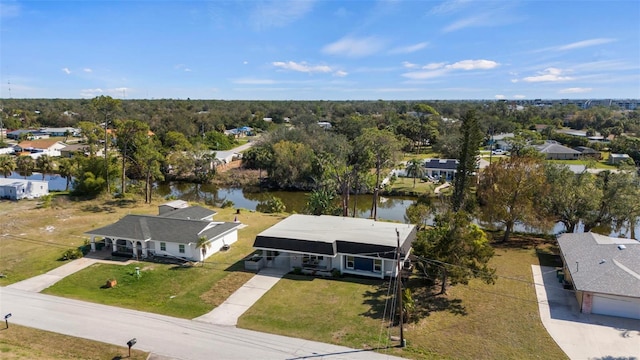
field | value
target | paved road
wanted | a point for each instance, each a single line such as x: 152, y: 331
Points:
x: 162, y: 335
x: 582, y: 336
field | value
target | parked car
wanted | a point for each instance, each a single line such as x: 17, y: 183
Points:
x: 498, y: 152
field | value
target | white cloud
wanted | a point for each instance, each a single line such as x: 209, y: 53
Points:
x: 245, y: 62
x: 409, y: 65
x: 548, y: 75
x: 90, y: 92
x: 87, y: 70
x: 575, y: 90
x: 279, y: 13
x: 585, y: 43
x: 473, y: 65
x: 340, y: 73
x: 354, y: 47
x: 433, y: 66
x: 500, y: 97
x: 410, y: 48
x: 302, y: 67
x: 66, y: 71
x: 440, y: 69
x: 518, y: 96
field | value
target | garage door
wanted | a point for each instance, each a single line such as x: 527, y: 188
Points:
x: 616, y: 306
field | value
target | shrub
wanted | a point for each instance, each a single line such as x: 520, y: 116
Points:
x: 72, y: 254
x: 271, y: 205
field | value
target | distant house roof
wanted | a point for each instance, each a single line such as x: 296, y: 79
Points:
x: 329, y: 235
x: 443, y: 164
x: 586, y: 150
x: 602, y: 264
x: 40, y: 144
x: 166, y: 229
x: 553, y: 148
x: 191, y: 212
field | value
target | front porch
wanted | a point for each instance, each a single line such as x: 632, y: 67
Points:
x: 123, y: 248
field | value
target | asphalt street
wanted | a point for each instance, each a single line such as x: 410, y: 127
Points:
x: 163, y: 335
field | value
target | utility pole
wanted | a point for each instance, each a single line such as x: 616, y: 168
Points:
x: 399, y: 281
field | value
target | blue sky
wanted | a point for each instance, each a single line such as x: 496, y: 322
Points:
x: 320, y: 50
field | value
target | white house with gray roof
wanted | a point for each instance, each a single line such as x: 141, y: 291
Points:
x: 174, y: 233
x: 604, y: 271
x: 323, y: 243
x: 555, y: 151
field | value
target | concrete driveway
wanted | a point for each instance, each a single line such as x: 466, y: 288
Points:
x: 582, y: 336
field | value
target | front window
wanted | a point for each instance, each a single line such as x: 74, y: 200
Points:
x: 163, y: 246
x: 181, y: 248
x: 311, y: 259
x: 377, y: 265
x: 350, y: 262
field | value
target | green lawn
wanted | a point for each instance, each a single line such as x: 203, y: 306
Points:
x: 602, y: 164
x: 477, y: 321
x: 19, y: 342
x: 404, y: 186
x: 185, y: 292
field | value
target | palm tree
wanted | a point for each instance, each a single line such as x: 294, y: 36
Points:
x: 65, y: 169
x: 45, y: 164
x: 7, y: 165
x: 25, y: 166
x: 203, y: 244
x: 415, y: 169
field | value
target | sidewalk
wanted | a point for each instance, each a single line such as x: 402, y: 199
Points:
x: 41, y: 282
x: 240, y: 301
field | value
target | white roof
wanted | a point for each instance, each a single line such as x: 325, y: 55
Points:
x: 326, y: 228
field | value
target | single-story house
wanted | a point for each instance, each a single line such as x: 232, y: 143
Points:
x: 555, y: 151
x: 63, y: 131
x: 587, y: 152
x: 323, y: 243
x: 174, y: 233
x: 40, y: 147
x: 604, y: 271
x: 240, y: 132
x: 16, y: 189
x: 72, y: 150
x: 615, y: 159
x: 31, y: 134
x: 441, y: 168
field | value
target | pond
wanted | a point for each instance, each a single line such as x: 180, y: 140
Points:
x: 389, y: 208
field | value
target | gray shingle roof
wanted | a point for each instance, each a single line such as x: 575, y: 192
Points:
x: 329, y: 235
x: 191, y: 212
x: 599, y: 263
x: 145, y: 227
x: 551, y: 148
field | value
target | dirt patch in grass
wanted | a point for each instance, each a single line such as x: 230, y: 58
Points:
x: 219, y: 292
x: 19, y: 342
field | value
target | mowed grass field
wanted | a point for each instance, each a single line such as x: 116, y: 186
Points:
x: 19, y: 342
